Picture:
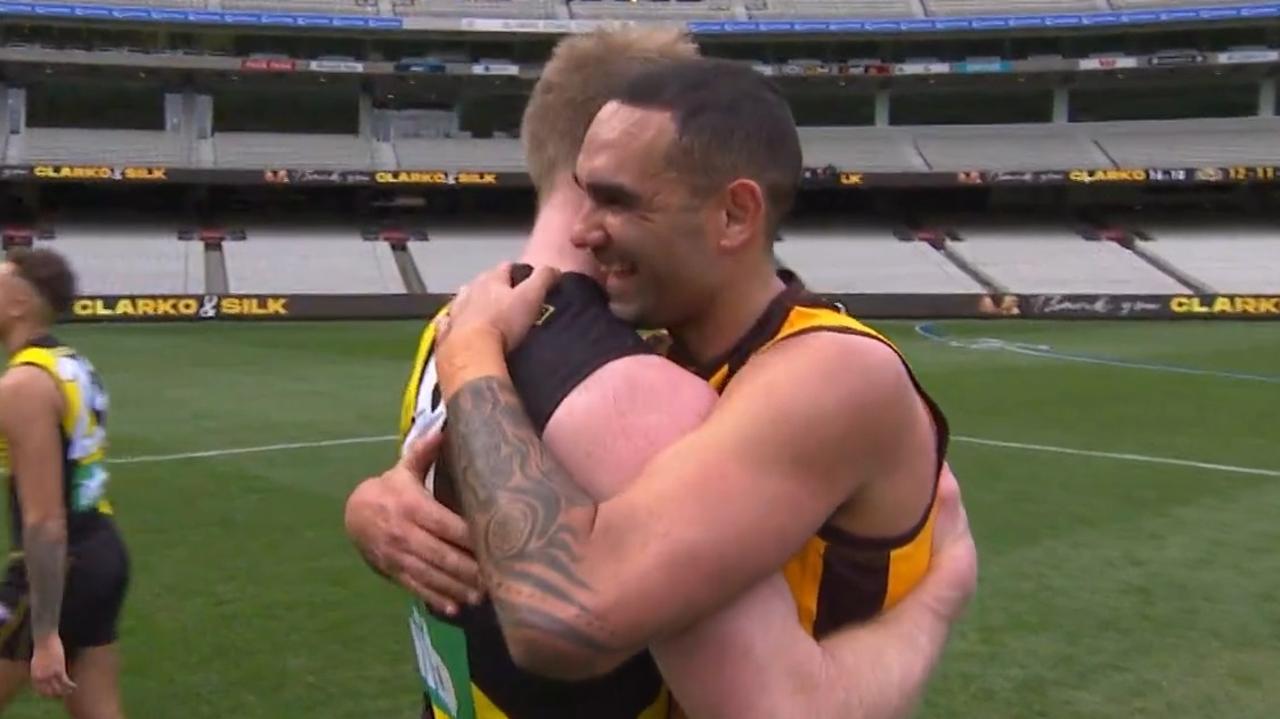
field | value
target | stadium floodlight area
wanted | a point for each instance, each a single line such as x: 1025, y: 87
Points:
x: 270, y: 149
x: 534, y: 9
x: 1226, y: 255
x: 127, y: 258
x: 76, y: 146
x: 310, y: 260
x: 841, y: 257
x: 1037, y: 257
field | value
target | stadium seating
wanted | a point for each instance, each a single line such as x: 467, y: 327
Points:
x: 652, y: 9
x: 1179, y: 143
x: 863, y: 148
x: 265, y: 149
x: 844, y: 257
x: 1019, y: 147
x: 456, y: 253
x: 449, y: 154
x: 477, y: 8
x: 75, y: 146
x: 192, y: 4
x: 1229, y: 256
x: 835, y: 8
x: 129, y: 258
x: 322, y: 259
x: 1144, y: 4
x: 1010, y: 7
x: 324, y: 7
x: 1035, y: 256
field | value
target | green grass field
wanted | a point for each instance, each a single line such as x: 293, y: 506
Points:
x: 1111, y: 587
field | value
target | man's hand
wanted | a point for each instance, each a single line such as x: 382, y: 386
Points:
x: 409, y: 537
x: 49, y: 668
x: 952, y: 578
x: 489, y: 304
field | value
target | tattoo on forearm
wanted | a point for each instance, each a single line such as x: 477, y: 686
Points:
x: 528, y: 514
x: 45, y: 546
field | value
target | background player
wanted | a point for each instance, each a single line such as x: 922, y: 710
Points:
x: 66, y: 581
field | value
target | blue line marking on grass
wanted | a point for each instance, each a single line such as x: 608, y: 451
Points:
x: 931, y: 331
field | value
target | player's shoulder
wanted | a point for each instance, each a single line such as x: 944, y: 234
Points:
x: 834, y: 380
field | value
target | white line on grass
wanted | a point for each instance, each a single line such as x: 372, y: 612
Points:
x: 971, y: 440
x: 251, y: 450
x: 1120, y: 456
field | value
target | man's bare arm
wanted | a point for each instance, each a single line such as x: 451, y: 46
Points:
x: 29, y: 404
x: 874, y: 670
x: 702, y: 523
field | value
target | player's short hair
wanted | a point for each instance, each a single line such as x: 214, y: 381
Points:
x: 584, y: 72
x: 49, y: 273
x: 731, y: 122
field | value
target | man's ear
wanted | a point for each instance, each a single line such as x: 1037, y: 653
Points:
x: 744, y: 211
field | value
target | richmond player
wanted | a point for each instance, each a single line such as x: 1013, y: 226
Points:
x: 65, y: 584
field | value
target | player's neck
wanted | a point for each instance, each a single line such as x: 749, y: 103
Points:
x: 21, y: 334
x: 549, y: 241
x: 730, y: 315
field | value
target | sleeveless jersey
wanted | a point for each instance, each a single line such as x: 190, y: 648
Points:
x: 84, y: 438
x: 464, y: 663
x: 836, y: 578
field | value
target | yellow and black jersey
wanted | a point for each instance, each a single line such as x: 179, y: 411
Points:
x: 84, y: 438
x: 465, y: 666
x: 837, y: 577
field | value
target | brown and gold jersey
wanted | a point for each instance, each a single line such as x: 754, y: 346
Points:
x: 837, y: 578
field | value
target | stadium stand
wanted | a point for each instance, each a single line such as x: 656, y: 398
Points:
x: 324, y: 7
x: 1144, y: 4
x: 1226, y: 255
x: 302, y: 259
x: 456, y: 253
x: 835, y: 8
x: 137, y: 147
x: 850, y: 258
x: 267, y: 149
x: 478, y: 8
x: 1035, y: 256
x: 865, y: 148
x: 129, y: 257
x: 1019, y: 147
x: 1172, y: 143
x: 652, y: 9
x: 188, y: 4
x: 953, y: 8
x: 460, y: 153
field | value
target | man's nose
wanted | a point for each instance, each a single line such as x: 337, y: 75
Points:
x: 588, y: 234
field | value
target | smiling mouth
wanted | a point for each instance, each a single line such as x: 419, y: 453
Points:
x: 620, y: 270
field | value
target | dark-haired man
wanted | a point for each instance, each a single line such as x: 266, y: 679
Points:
x: 822, y: 456
x: 68, y: 571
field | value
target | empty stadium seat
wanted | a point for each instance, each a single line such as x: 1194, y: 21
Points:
x: 460, y: 153
x: 861, y: 148
x: 76, y: 146
x: 1177, y: 143
x: 836, y: 8
x: 322, y: 7
x: 284, y: 150
x: 652, y: 9
x: 301, y: 259
x: 1035, y: 256
x: 456, y: 253
x: 853, y: 257
x: 1016, y: 147
x: 478, y: 8
x: 952, y: 8
x: 124, y: 258
x: 1227, y: 254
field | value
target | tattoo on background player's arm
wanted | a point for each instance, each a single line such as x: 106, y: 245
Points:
x: 45, y: 547
x: 528, y: 514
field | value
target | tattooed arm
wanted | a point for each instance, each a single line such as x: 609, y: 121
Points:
x: 29, y: 409
x: 583, y: 582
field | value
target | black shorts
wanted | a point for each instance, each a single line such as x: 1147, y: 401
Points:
x: 97, y: 580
